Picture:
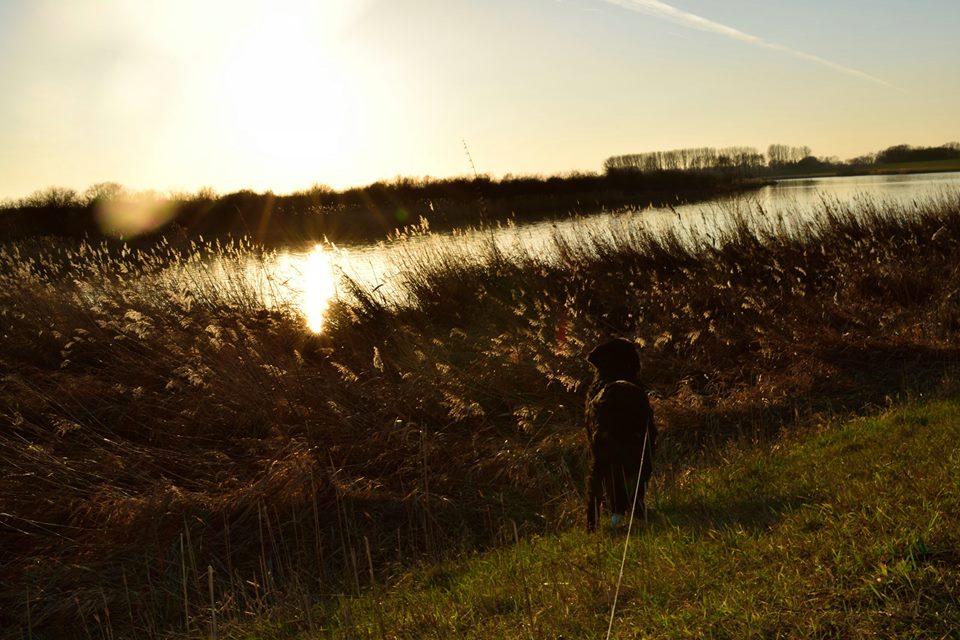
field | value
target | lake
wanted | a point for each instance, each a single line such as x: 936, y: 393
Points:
x: 310, y: 277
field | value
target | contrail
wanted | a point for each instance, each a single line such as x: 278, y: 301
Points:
x: 694, y: 21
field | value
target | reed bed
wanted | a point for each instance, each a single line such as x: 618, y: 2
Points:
x: 179, y: 456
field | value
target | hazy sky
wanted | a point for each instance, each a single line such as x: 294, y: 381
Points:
x: 279, y: 94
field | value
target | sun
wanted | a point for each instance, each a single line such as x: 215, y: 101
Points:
x: 288, y: 90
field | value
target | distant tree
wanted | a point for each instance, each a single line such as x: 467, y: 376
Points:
x: 896, y: 153
x: 779, y: 155
x: 102, y: 192
x: 868, y: 158
x: 320, y: 189
x: 690, y: 159
x: 206, y: 193
x: 906, y: 153
x: 811, y: 162
x: 52, y: 197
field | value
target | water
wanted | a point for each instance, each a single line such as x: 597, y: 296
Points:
x: 311, y: 277
x: 899, y: 188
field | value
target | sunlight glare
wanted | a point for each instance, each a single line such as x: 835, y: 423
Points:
x: 287, y: 86
x: 319, y: 286
x: 305, y: 281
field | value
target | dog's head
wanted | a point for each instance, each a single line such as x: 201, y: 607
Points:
x: 616, y: 359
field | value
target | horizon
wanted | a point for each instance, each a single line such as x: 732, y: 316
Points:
x: 281, y: 96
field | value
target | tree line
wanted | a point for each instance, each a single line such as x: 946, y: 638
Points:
x: 907, y: 153
x: 360, y: 213
x: 778, y: 157
x: 693, y: 159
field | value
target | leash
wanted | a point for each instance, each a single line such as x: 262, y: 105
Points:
x: 623, y: 560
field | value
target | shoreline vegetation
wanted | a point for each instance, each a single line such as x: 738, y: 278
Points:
x: 175, y: 451
x: 362, y: 214
x: 374, y: 212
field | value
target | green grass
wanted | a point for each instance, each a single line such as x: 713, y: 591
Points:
x: 850, y: 532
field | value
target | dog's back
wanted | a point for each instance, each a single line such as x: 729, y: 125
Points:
x: 622, y: 428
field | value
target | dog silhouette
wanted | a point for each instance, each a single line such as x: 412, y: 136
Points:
x: 621, y: 430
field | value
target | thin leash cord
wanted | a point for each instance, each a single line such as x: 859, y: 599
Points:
x: 623, y: 560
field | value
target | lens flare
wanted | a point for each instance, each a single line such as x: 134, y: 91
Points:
x: 129, y: 217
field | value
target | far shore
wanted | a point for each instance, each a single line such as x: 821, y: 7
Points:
x: 373, y: 213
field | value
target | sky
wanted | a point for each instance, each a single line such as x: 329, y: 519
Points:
x: 283, y: 94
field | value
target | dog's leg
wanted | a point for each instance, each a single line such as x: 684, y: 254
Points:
x: 640, y: 505
x: 594, y: 491
x: 619, y: 498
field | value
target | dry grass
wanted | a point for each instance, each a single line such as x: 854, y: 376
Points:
x: 164, y: 426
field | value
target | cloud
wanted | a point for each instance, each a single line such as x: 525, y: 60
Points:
x: 693, y: 21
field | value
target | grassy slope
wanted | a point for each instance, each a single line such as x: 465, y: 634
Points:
x: 852, y: 532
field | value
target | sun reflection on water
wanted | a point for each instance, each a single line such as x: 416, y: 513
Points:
x: 306, y: 279
x: 319, y: 286
x: 310, y: 280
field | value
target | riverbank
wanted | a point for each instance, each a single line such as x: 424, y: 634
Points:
x: 888, y: 169
x: 169, y: 431
x: 847, y: 530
